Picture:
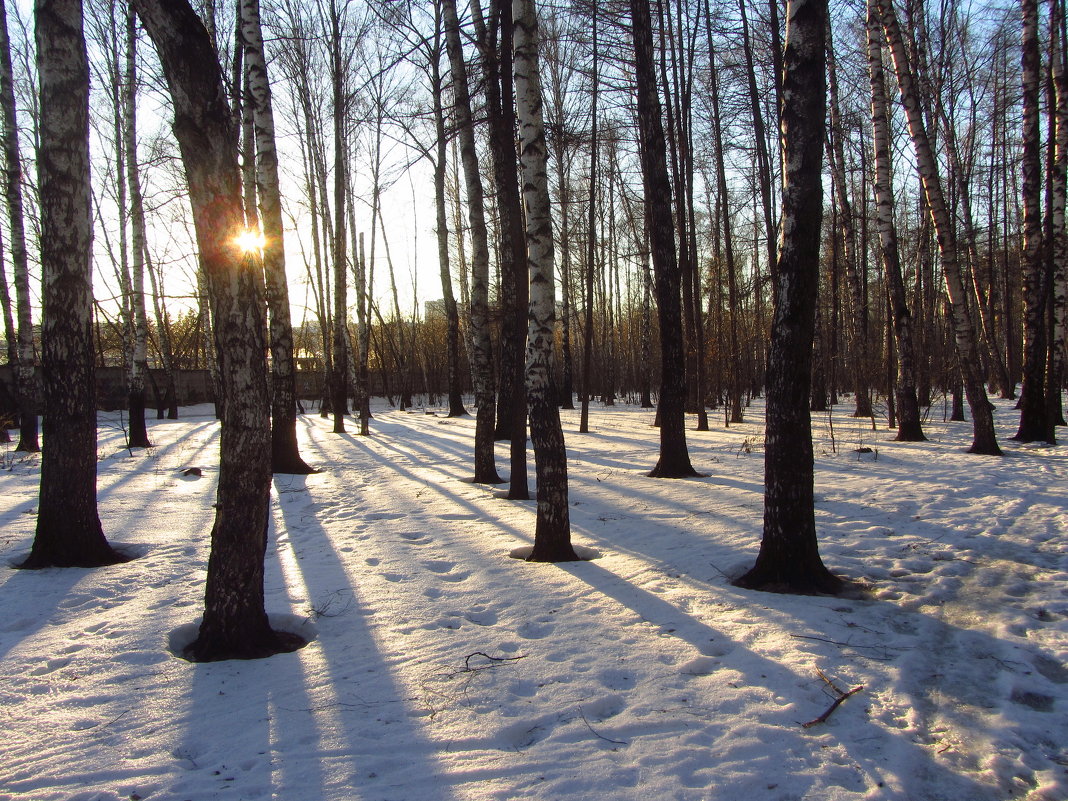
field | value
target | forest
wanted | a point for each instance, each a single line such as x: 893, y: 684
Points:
x: 780, y: 288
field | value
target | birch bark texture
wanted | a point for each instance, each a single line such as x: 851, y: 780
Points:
x: 984, y: 438
x: 235, y: 624
x: 285, y: 454
x: 481, y: 344
x: 552, y: 534
x: 909, y: 426
x: 68, y: 532
x: 789, y: 559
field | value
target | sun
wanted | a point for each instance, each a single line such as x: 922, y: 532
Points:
x: 249, y: 241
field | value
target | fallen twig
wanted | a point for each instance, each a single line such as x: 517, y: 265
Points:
x: 837, y: 701
x: 596, y: 734
x: 493, y: 659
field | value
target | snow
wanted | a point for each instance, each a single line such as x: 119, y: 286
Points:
x: 442, y: 669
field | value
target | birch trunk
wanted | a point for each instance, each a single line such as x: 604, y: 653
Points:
x: 68, y: 526
x: 481, y: 345
x: 24, y: 374
x: 552, y: 535
x: 452, y: 317
x: 339, y: 379
x: 909, y: 427
x: 857, y: 328
x: 674, y: 459
x: 1058, y: 357
x: 235, y: 625
x: 984, y: 438
x: 138, y: 368
x: 1034, y: 422
x: 512, y: 400
x: 789, y: 559
x: 285, y: 453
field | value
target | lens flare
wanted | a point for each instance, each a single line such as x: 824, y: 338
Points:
x: 249, y: 241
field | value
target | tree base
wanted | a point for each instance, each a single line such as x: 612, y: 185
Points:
x: 557, y: 552
x: 96, y: 557
x: 674, y: 471
x: 815, y: 581
x: 274, y: 642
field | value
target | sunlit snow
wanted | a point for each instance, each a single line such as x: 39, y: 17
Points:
x: 442, y: 669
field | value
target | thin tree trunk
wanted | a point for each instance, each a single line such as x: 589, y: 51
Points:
x: 138, y: 367
x: 285, y: 453
x: 339, y: 379
x: 733, y: 356
x: 984, y: 439
x: 591, y: 247
x: 674, y: 459
x: 552, y: 534
x: 452, y: 317
x: 858, y: 334
x: 481, y: 345
x: 910, y: 428
x: 24, y: 373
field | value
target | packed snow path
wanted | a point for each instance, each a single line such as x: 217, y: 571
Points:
x: 441, y: 669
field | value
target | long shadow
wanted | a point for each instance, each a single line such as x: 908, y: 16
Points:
x: 919, y: 766
x: 50, y: 591
x: 455, y: 500
x: 371, y: 704
x: 228, y: 703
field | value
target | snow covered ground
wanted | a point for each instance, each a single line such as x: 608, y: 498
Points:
x: 441, y: 669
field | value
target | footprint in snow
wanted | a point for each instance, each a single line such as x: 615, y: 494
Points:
x: 485, y: 617
x: 438, y: 565
x: 615, y: 679
x: 533, y: 630
x: 603, y: 708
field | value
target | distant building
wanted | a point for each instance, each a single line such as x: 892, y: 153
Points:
x: 434, y: 309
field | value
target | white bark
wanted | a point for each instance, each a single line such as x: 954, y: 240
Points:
x: 552, y: 538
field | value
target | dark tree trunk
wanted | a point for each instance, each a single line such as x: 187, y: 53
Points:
x: 1035, y: 423
x: 789, y: 559
x: 481, y: 343
x: 515, y: 294
x: 235, y: 624
x: 674, y: 459
x: 24, y: 372
x: 68, y: 526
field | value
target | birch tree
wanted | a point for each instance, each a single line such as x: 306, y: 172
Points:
x: 24, y: 374
x: 138, y: 320
x: 984, y: 438
x: 1035, y: 423
x: 235, y: 624
x: 285, y: 454
x: 789, y: 559
x: 481, y: 346
x: 909, y: 427
x: 552, y: 535
x: 68, y: 532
